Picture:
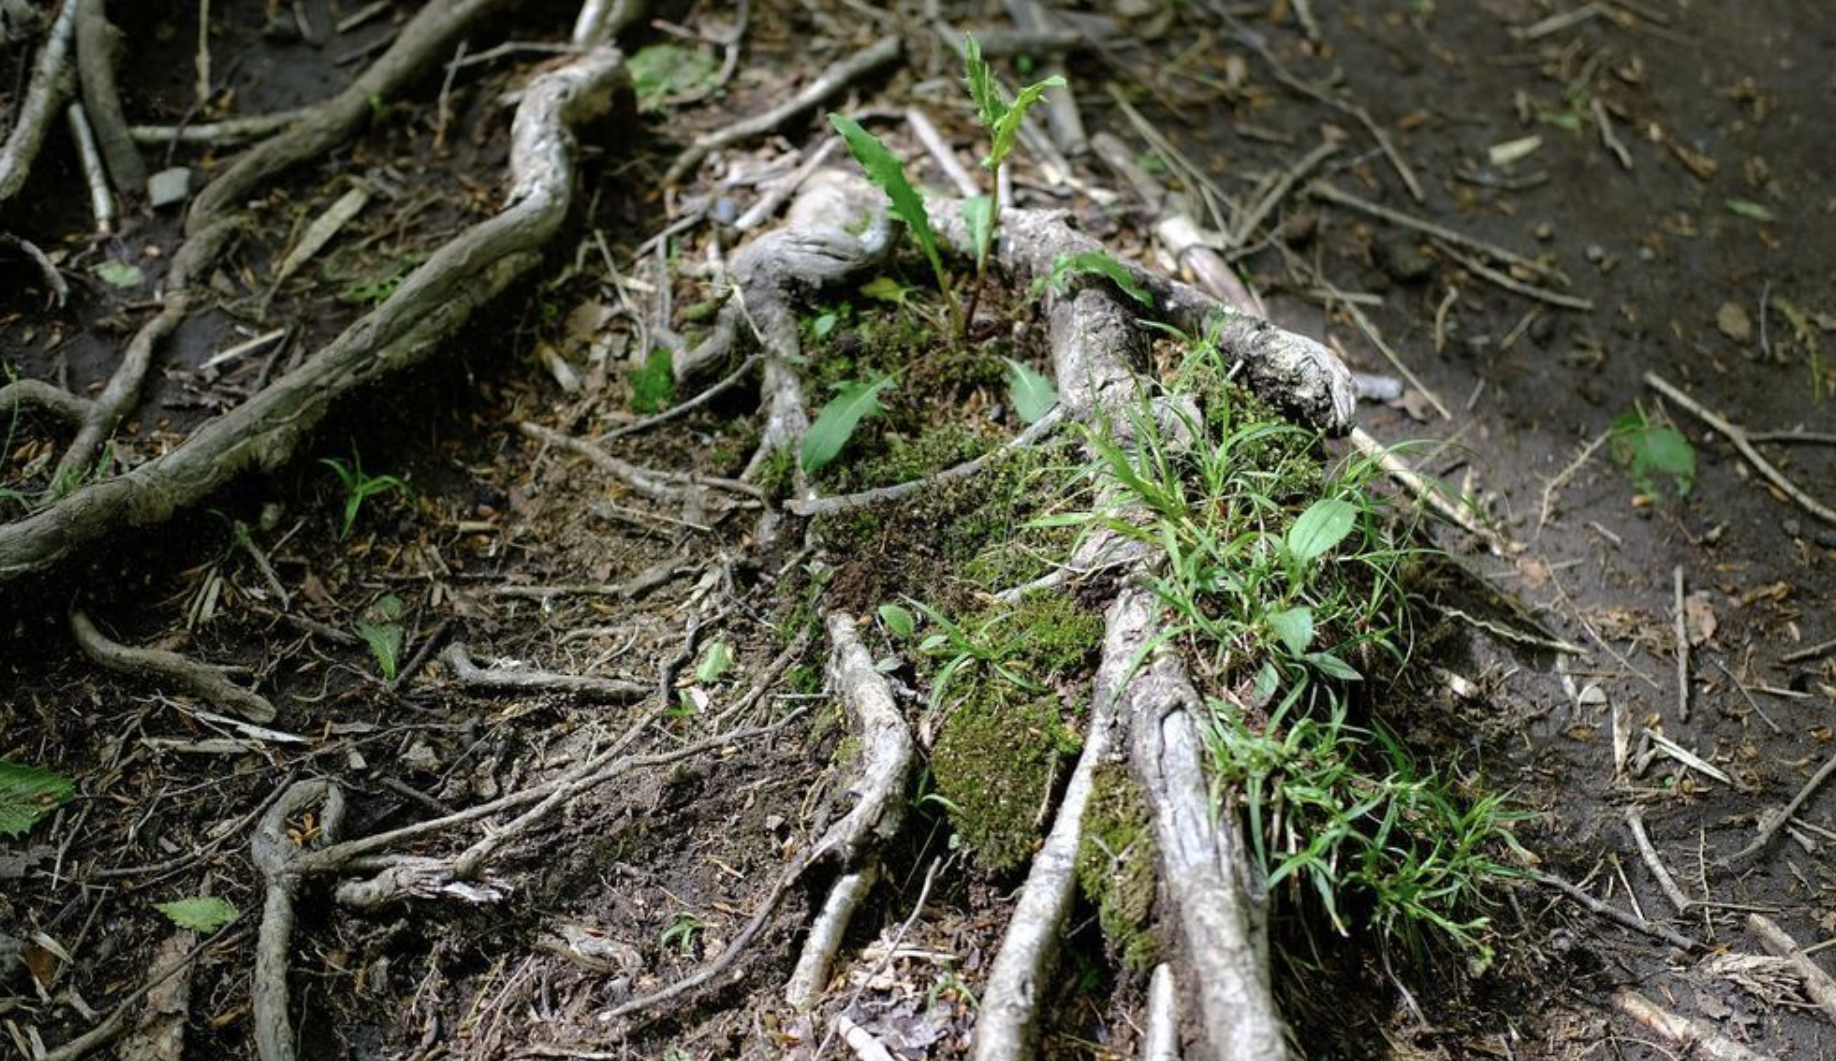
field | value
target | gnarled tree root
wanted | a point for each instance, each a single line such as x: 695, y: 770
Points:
x: 201, y: 679
x: 432, y: 303
x: 275, y: 854
x: 45, y: 94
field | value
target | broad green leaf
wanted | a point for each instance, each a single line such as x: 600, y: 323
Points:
x: 1294, y: 626
x: 886, y: 289
x: 1066, y: 266
x: 978, y: 218
x: 1033, y: 395
x: 1749, y: 209
x: 28, y: 793
x: 838, y: 419
x: 887, y: 173
x: 1645, y: 449
x: 823, y: 325
x: 660, y: 71
x: 716, y: 661
x: 1007, y: 130
x: 385, y: 642
x: 120, y: 274
x: 899, y: 621
x: 983, y: 89
x: 206, y: 913
x: 1333, y: 667
x: 1324, y: 525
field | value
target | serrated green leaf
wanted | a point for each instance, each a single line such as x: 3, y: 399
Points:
x: 1749, y: 209
x: 1085, y: 263
x: 983, y: 89
x: 978, y: 218
x: 899, y: 621
x: 1033, y: 395
x: 887, y: 173
x: 716, y: 661
x: 28, y: 793
x: 385, y: 643
x: 1007, y: 130
x: 120, y: 274
x: 1294, y: 626
x: 1323, y: 525
x: 205, y: 913
x: 852, y: 403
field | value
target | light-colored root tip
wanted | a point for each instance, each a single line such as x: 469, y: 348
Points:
x: 819, y: 950
x: 1160, y: 1022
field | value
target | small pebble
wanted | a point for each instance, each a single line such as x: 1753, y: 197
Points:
x: 1792, y: 528
x: 169, y: 187
x: 1596, y: 253
x: 726, y: 211
x: 1544, y: 231
x: 1646, y: 254
x: 1826, y: 538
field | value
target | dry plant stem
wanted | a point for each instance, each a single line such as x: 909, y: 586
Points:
x: 200, y: 679
x: 30, y: 393
x: 50, y: 85
x: 274, y: 853
x: 1332, y: 194
x: 1819, y: 985
x: 1735, y: 434
x: 860, y: 1041
x: 122, y: 391
x: 1278, y: 191
x: 656, y: 485
x: 837, y: 76
x: 1516, y: 286
x: 822, y: 506
x: 467, y: 673
x: 432, y: 303
x: 1554, y: 486
x: 1008, y: 1027
x: 824, y: 942
x: 1400, y: 471
x: 941, y: 152
x: 227, y: 131
x: 1635, y: 820
x: 1698, y: 1037
x: 98, y: 46
x: 1680, y: 628
x: 1821, y: 648
x: 1160, y: 1034
x: 1376, y: 337
x: 1616, y: 915
x: 1772, y: 821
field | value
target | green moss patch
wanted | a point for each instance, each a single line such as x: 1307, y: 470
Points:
x: 1115, y: 866
x: 995, y: 764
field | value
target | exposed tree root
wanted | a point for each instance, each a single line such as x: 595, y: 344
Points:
x: 274, y: 854
x: 656, y: 485
x: 201, y: 679
x: 98, y: 46
x: 1160, y: 1024
x: 825, y: 939
x: 50, y: 86
x: 458, y: 659
x: 430, y: 304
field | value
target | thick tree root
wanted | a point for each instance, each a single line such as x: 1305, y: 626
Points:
x: 50, y: 86
x: 431, y: 304
x: 98, y: 44
x: 275, y: 854
x: 200, y: 679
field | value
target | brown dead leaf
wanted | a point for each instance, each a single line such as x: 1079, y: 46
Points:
x: 1699, y: 618
x: 1534, y: 571
x: 1733, y: 321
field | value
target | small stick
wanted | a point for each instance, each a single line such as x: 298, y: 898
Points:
x: 686, y: 407
x: 1819, y: 985
x: 1284, y: 184
x: 941, y: 152
x: 1699, y: 1036
x: 1681, y: 626
x: 1562, y: 477
x: 860, y: 1040
x: 1635, y: 820
x: 227, y: 131
x: 1734, y: 433
x: 468, y: 674
x: 1772, y: 822
x: 1751, y: 702
x: 822, y: 506
x: 1512, y: 284
x: 1407, y: 476
x: 654, y: 484
x: 1616, y: 915
x: 1607, y: 139
x: 1376, y: 337
x: 1801, y: 655
x: 202, y: 62
x: 1331, y: 193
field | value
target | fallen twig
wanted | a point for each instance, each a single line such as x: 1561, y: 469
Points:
x: 1616, y: 915
x: 49, y: 86
x: 1635, y: 820
x: 1819, y: 985
x: 1733, y: 433
x: 1331, y: 193
x: 1680, y: 627
x: 654, y: 484
x: 1699, y: 1036
x: 467, y: 673
x: 1772, y: 821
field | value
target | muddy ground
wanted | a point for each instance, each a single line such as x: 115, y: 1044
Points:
x: 1696, y: 231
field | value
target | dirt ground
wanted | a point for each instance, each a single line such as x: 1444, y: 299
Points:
x: 1665, y: 164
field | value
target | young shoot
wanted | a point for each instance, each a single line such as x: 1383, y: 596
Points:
x: 1001, y: 121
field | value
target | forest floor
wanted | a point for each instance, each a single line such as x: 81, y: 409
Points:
x: 1660, y: 166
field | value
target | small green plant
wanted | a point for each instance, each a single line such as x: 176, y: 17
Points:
x: 653, y: 384
x: 1031, y: 392
x: 660, y: 72
x: 204, y: 913
x: 834, y: 426
x: 1645, y: 448
x: 360, y: 487
x: 27, y: 794
x: 716, y: 661
x: 1092, y: 263
x: 385, y: 635
x: 898, y: 621
x: 682, y: 932
x: 1001, y: 120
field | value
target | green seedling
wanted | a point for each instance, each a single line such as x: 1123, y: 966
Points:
x: 360, y: 487
x: 716, y: 661
x: 385, y: 636
x: 653, y: 385
x: 1091, y: 263
x: 834, y: 426
x: 898, y: 621
x: 660, y: 72
x: 27, y: 794
x: 887, y: 173
x: 1000, y: 120
x: 1645, y: 448
x: 682, y: 932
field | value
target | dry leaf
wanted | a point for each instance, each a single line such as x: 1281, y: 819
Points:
x: 1733, y: 321
x: 1699, y: 618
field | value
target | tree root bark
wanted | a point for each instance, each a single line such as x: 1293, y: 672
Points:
x: 200, y: 679
x: 45, y: 95
x: 274, y: 854
x: 458, y: 659
x: 430, y: 305
x: 98, y: 46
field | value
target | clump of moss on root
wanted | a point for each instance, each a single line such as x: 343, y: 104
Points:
x: 1115, y: 866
